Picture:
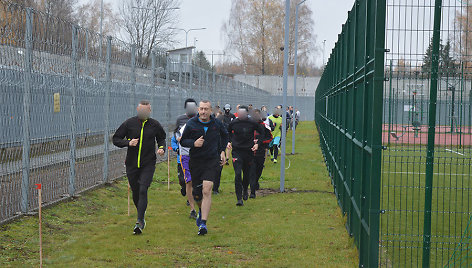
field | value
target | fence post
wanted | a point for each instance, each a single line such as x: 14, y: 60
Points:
x: 433, y: 97
x: 168, y: 106
x: 180, y: 74
x: 133, y: 75
x: 106, y: 134
x: 73, y: 130
x: 154, y: 69
x: 376, y: 133
x: 284, y: 98
x: 191, y: 76
x: 26, y: 110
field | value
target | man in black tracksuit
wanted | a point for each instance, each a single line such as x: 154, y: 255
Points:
x: 241, y: 135
x: 190, y: 107
x: 207, y: 139
x: 266, y: 137
x: 139, y: 134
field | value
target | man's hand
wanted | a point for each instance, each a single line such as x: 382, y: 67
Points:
x: 199, y: 142
x: 222, y: 158
x: 179, y: 138
x: 255, y: 147
x: 229, y: 146
x: 133, y: 142
x: 160, y: 152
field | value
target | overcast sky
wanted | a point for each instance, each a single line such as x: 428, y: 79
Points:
x: 328, y: 15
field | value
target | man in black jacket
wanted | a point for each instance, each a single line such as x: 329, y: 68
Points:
x: 241, y: 135
x: 139, y: 134
x: 190, y: 106
x: 266, y: 137
x: 207, y: 139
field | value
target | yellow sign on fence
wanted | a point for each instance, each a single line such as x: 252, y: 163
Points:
x: 57, y: 102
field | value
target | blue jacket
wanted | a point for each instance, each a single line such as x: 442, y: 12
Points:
x: 175, y: 147
x: 216, y: 138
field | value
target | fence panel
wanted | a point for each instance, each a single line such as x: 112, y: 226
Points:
x: 348, y: 117
x: 426, y: 177
x: 64, y: 91
x: 415, y: 104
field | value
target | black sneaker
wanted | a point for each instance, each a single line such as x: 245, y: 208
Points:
x: 253, y: 195
x: 139, y: 227
x: 240, y: 203
x: 245, y: 195
x: 193, y: 214
x: 216, y: 192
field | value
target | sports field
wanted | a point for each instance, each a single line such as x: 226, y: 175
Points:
x: 300, y: 228
x: 403, y: 201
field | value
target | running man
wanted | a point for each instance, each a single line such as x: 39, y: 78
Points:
x: 190, y: 107
x: 241, y: 136
x: 276, y: 133
x: 228, y: 117
x: 207, y: 139
x: 266, y: 137
x: 139, y: 134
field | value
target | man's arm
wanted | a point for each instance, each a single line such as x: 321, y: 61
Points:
x: 186, y: 140
x: 261, y: 130
x: 161, y: 137
x: 230, y: 132
x: 224, y: 138
x: 120, y: 135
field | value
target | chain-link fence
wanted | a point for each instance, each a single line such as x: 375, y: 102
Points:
x: 398, y: 85
x: 65, y: 89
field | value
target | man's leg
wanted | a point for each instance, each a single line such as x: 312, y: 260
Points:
x: 216, y: 184
x: 184, y: 161
x: 180, y: 175
x: 206, y: 202
x: 246, y: 174
x: 145, y: 179
x: 238, y: 166
x: 143, y: 201
x: 133, y: 177
x: 252, y: 174
x: 189, y: 188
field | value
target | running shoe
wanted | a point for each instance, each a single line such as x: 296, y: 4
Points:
x: 202, y: 229
x: 198, y: 221
x: 193, y: 214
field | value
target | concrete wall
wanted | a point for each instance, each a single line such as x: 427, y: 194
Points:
x: 306, y: 86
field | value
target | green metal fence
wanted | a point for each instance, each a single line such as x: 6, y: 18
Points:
x: 393, y: 109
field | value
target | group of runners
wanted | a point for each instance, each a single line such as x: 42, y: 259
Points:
x: 204, y: 137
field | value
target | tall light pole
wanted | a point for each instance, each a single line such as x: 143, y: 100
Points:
x: 284, y: 99
x: 101, y: 27
x: 187, y: 31
x: 324, y: 46
x: 295, y: 76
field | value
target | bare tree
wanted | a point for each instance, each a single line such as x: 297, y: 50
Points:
x: 88, y: 16
x: 254, y: 34
x: 63, y: 9
x: 146, y: 23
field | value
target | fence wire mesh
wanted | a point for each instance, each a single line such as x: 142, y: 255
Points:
x: 425, y: 213
x: 427, y: 209
x: 65, y: 89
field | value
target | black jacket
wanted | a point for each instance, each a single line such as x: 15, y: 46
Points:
x: 181, y: 120
x: 152, y: 131
x: 228, y: 117
x: 265, y: 136
x: 241, y: 133
x: 215, y: 142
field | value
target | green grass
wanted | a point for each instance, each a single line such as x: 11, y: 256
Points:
x: 303, y: 228
x: 403, y: 190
